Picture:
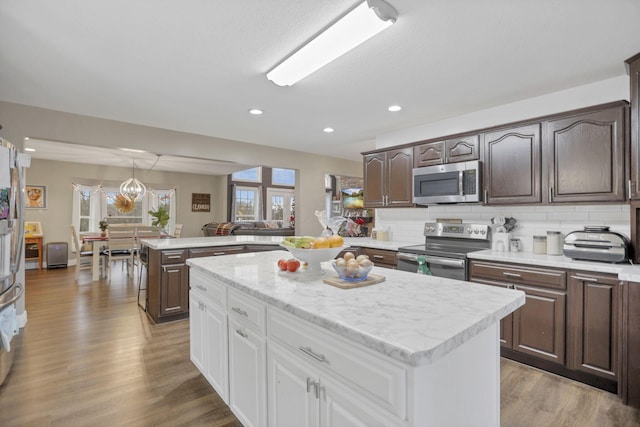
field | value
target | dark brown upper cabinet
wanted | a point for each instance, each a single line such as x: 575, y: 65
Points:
x: 388, y: 178
x: 448, y: 151
x: 512, y: 167
x: 633, y: 69
x: 584, y: 156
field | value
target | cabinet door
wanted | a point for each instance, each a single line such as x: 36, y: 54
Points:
x: 506, y: 323
x: 196, y: 332
x: 429, y: 154
x: 342, y: 407
x: 462, y: 149
x: 539, y: 325
x: 215, y: 349
x: 292, y: 390
x: 634, y: 79
x: 174, y: 289
x: 374, y: 180
x: 585, y: 157
x: 512, y: 167
x: 247, y: 374
x: 594, y: 324
x: 399, y: 177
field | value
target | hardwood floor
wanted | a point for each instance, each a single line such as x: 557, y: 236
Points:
x: 90, y: 356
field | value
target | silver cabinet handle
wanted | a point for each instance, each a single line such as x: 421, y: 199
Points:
x: 586, y: 279
x: 242, y: 333
x: 323, y: 391
x: 460, y: 183
x: 312, y: 383
x: 550, y: 194
x: 506, y: 273
x: 629, y: 187
x: 307, y: 350
x: 202, y: 288
x: 486, y: 195
x: 174, y: 256
x: 407, y: 257
x: 378, y: 257
x: 445, y: 261
x: 219, y: 253
x: 240, y: 311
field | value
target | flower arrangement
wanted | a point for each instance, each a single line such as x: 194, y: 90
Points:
x: 103, y: 225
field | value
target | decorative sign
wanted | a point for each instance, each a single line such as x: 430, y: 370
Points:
x: 200, y: 202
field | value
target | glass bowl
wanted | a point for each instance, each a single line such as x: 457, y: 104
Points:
x: 313, y: 257
x: 352, y: 274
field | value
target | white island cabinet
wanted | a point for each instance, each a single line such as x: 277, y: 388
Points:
x: 411, y: 351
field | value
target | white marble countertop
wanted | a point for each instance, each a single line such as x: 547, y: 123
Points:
x: 412, y: 318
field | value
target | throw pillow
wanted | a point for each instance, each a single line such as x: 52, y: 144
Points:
x: 271, y: 224
x: 224, y: 229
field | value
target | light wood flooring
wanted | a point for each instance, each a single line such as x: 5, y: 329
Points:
x: 90, y: 357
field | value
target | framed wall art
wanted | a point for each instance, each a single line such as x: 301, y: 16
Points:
x: 36, y: 196
x: 32, y: 229
x: 200, y: 202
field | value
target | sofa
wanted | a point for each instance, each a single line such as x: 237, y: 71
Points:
x: 255, y: 228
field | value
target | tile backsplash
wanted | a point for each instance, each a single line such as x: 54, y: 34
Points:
x: 406, y: 224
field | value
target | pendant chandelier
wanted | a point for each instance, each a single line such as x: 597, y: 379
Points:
x: 133, y: 189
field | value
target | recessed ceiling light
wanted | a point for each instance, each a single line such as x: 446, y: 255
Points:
x: 132, y: 150
x: 255, y: 111
x: 395, y: 108
x: 29, y: 149
x: 328, y: 130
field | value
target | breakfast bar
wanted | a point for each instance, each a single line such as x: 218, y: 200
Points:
x: 280, y: 347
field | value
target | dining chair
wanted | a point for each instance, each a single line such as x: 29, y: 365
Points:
x: 84, y: 259
x: 144, y: 232
x: 177, y: 231
x: 121, y: 244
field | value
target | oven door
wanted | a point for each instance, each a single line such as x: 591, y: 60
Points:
x: 450, y: 268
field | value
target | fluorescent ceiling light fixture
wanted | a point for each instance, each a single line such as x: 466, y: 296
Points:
x: 359, y: 25
x: 255, y: 111
x: 132, y: 150
x: 394, y: 108
x: 328, y: 130
x: 29, y: 149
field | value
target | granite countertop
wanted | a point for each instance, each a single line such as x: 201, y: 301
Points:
x: 409, y: 317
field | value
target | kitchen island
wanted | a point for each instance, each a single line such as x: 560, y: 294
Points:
x: 284, y: 347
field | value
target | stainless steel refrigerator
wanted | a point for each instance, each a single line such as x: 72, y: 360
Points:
x: 12, y: 312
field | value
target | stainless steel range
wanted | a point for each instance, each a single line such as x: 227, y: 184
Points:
x: 445, y: 249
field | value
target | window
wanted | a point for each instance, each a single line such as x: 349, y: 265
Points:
x: 281, y: 176
x: 280, y: 206
x: 93, y: 203
x: 246, y: 204
x: 248, y: 175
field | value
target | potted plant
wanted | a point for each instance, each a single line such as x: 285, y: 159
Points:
x: 103, y: 225
x: 160, y: 217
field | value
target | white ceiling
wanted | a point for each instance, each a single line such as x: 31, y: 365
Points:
x: 198, y: 66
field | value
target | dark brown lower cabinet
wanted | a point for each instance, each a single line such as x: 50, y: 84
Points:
x: 630, y: 375
x: 539, y: 325
x: 174, y: 296
x: 595, y: 324
x: 167, y: 285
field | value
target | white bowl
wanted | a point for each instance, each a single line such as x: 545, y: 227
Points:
x: 313, y: 257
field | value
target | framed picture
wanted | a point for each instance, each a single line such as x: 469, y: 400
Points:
x: 200, y: 202
x: 32, y: 229
x: 36, y: 196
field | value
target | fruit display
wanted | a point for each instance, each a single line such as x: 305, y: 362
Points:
x: 291, y: 265
x: 352, y: 268
x: 310, y: 242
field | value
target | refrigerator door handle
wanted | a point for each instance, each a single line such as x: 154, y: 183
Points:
x: 18, y: 293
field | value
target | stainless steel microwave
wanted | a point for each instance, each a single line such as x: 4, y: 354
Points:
x: 450, y: 183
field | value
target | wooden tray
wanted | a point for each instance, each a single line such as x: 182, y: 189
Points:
x: 372, y: 279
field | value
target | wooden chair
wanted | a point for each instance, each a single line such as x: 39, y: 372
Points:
x: 177, y: 231
x: 121, y: 245
x: 84, y: 259
x: 144, y: 232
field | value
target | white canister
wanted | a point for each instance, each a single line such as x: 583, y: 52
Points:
x: 539, y: 244
x: 554, y: 243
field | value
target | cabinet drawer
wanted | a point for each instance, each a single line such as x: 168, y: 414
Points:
x: 381, y: 380
x: 208, y: 287
x: 248, y: 309
x: 544, y: 277
x: 380, y: 256
x: 173, y: 257
x: 216, y: 251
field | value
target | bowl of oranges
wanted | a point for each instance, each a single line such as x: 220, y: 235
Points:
x: 314, y: 250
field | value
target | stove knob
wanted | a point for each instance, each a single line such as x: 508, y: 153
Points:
x: 476, y: 230
x: 469, y: 231
x: 432, y: 228
x: 483, y: 232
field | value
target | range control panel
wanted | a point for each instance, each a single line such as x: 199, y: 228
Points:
x: 462, y: 231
